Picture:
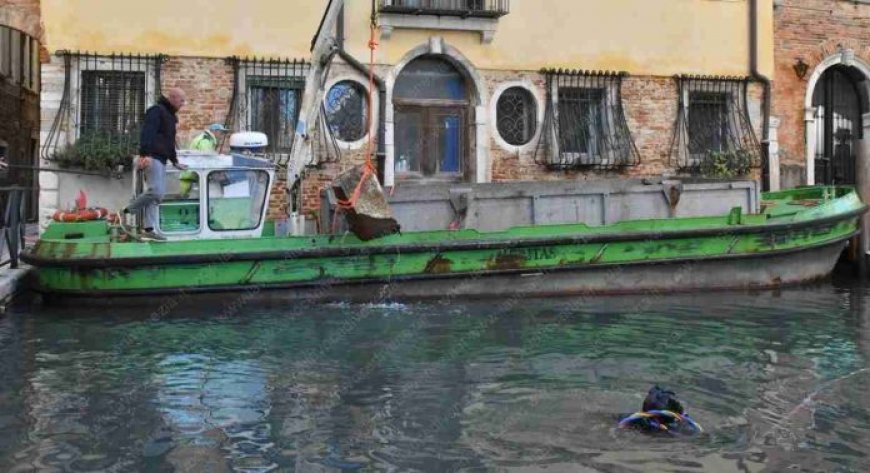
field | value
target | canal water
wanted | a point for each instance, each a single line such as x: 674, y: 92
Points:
x: 779, y: 381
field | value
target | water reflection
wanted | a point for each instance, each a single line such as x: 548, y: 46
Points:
x: 777, y: 379
x: 213, y: 409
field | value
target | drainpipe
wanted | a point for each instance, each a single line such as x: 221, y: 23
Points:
x: 766, y: 100
x: 379, y: 83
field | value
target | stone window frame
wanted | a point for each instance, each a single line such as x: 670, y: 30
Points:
x: 373, y: 104
x: 539, y: 101
x: 479, y: 159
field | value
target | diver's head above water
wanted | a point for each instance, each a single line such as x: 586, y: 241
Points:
x: 662, y: 399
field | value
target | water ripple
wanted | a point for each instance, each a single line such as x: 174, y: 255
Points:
x: 778, y: 379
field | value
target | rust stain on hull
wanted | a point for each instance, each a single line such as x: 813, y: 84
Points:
x: 507, y: 261
x: 438, y: 265
x: 68, y: 250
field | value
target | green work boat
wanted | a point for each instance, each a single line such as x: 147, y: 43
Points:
x: 218, y: 240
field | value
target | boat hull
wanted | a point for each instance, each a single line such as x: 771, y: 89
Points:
x: 634, y: 257
x: 761, y: 271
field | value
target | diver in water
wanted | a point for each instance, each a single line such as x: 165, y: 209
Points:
x: 661, y: 413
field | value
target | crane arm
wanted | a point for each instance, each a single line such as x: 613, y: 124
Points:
x: 323, y: 48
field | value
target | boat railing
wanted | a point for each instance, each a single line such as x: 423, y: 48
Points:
x: 13, y: 202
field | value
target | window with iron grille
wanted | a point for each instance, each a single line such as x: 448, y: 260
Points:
x: 347, y: 110
x: 267, y: 95
x: 581, y: 121
x: 584, y: 126
x: 708, y: 122
x: 104, y: 100
x: 713, y: 135
x: 516, y: 116
x: 274, y: 109
x: 112, y: 102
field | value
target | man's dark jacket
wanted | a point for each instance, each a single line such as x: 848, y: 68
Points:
x: 158, y: 132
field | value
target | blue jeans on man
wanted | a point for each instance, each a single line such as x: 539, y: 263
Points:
x: 155, y: 178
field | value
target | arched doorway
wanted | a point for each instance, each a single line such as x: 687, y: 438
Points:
x: 837, y: 100
x: 433, y: 118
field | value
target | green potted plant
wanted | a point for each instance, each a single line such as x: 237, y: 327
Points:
x: 96, y: 151
x: 726, y: 164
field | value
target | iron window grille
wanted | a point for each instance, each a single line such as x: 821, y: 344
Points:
x: 713, y: 135
x: 103, y: 101
x: 267, y: 95
x: 112, y: 102
x: 462, y: 8
x: 516, y: 116
x: 584, y: 122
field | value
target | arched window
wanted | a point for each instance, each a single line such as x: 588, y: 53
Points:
x: 516, y: 116
x: 432, y: 116
x: 347, y: 110
x: 838, y: 103
x: 430, y: 78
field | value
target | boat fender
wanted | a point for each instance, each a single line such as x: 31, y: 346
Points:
x: 80, y: 215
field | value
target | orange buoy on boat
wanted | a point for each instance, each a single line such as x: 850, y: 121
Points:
x: 80, y: 215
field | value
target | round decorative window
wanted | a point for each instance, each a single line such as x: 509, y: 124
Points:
x: 516, y: 116
x: 347, y: 110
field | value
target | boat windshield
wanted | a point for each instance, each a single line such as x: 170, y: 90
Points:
x: 179, y: 210
x: 236, y: 199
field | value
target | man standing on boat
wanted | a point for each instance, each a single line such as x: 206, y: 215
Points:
x: 156, y: 147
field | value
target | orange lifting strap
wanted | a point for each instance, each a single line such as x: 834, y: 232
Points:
x: 369, y: 169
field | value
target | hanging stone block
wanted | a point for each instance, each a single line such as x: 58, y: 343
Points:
x: 371, y: 216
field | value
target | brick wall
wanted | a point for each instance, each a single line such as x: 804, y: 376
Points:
x: 650, y: 105
x: 811, y: 30
x: 208, y: 83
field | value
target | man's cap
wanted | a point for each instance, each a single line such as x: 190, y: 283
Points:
x: 217, y: 127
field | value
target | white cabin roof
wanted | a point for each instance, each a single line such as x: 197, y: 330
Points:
x: 204, y: 160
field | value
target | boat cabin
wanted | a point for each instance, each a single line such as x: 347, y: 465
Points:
x: 218, y: 196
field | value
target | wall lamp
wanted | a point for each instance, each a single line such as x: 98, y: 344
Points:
x: 801, y: 68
